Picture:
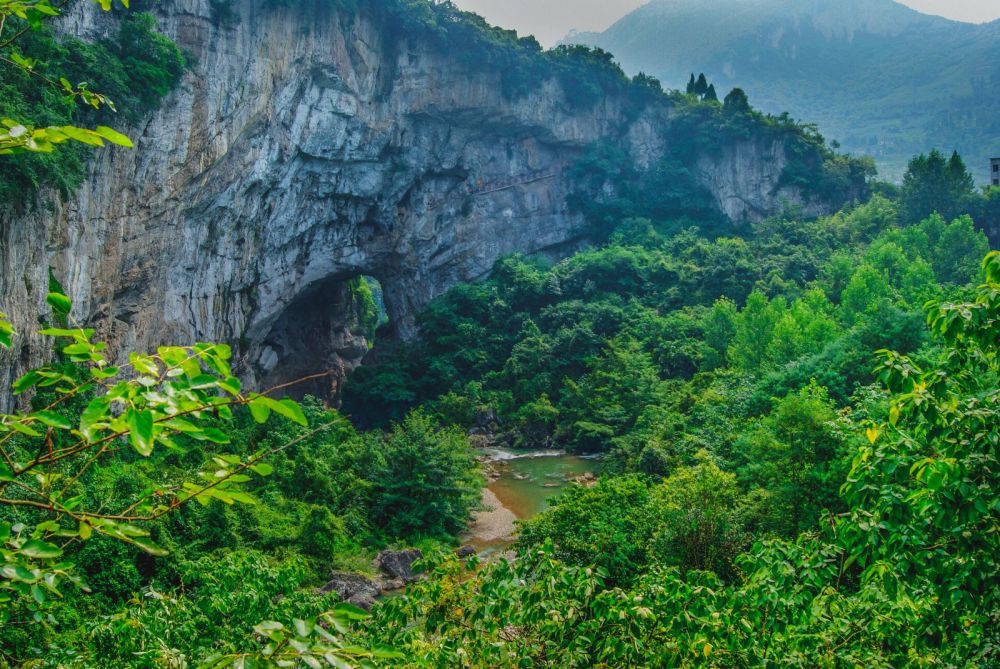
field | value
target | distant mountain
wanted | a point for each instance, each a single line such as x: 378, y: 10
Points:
x: 880, y: 78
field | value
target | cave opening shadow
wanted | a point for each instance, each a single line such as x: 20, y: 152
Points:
x: 321, y: 337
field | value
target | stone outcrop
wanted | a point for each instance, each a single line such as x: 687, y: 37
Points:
x: 304, y: 148
x: 355, y: 589
x: 394, y: 572
x: 398, y: 565
x: 745, y: 181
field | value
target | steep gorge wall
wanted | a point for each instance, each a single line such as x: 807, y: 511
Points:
x: 305, y: 148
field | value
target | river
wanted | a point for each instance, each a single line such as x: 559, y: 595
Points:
x: 527, y: 481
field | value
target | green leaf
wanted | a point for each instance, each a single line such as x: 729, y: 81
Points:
x: 77, y: 349
x: 6, y: 331
x: 259, y: 410
x: 231, y: 385
x: 52, y: 419
x: 26, y: 63
x: 140, y: 427
x: 214, y: 435
x: 26, y: 381
x: 16, y: 572
x: 303, y: 628
x: 262, y: 469
x: 60, y: 304
x: 268, y: 626
x: 113, y: 136
x: 6, y: 473
x: 290, y: 409
x: 78, y: 333
x: 149, y: 547
x: 18, y: 426
x: 82, y: 135
x: 96, y: 412
x: 241, y: 497
x: 144, y: 364
x: 40, y: 550
x: 261, y: 406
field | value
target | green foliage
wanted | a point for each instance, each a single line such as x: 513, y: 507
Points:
x: 133, y: 69
x: 608, y: 525
x: 365, y: 306
x: 426, y: 480
x: 609, y: 399
x: 929, y: 481
x: 85, y: 409
x: 699, y: 516
x: 595, y: 352
x: 935, y: 185
x: 218, y: 619
x: 906, y: 577
x: 96, y: 480
x: 726, y: 379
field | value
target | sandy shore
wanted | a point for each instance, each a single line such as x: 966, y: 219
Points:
x: 494, y: 523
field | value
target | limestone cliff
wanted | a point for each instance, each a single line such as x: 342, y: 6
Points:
x: 306, y: 147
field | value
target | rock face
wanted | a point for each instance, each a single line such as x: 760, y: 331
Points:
x: 744, y: 181
x: 307, y: 147
x: 399, y: 564
x: 355, y: 589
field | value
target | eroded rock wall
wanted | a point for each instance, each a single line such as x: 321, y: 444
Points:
x: 303, y: 148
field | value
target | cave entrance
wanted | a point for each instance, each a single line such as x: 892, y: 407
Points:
x: 321, y: 337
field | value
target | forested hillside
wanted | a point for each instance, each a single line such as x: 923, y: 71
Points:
x: 878, y: 77
x: 796, y: 420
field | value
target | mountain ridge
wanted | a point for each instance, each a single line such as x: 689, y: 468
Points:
x: 846, y: 65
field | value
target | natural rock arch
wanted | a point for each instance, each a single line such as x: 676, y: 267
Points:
x: 306, y: 148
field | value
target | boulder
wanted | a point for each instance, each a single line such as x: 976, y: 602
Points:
x: 391, y: 584
x: 465, y: 552
x: 399, y: 564
x: 355, y: 589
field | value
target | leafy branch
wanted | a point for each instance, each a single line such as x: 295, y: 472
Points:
x: 98, y: 409
x: 21, y: 136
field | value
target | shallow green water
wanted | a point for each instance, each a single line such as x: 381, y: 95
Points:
x: 529, y: 480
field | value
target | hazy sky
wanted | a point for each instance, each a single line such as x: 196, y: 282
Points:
x: 550, y: 20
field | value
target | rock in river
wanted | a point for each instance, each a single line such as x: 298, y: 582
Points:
x: 399, y: 564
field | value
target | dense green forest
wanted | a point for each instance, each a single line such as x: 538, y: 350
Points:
x: 798, y: 423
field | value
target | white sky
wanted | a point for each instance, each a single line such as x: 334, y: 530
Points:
x: 550, y: 20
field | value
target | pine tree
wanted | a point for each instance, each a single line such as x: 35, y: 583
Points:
x: 711, y: 95
x: 701, y: 87
x: 961, y: 180
x: 691, y: 84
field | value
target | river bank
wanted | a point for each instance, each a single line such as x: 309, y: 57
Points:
x: 522, y: 485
